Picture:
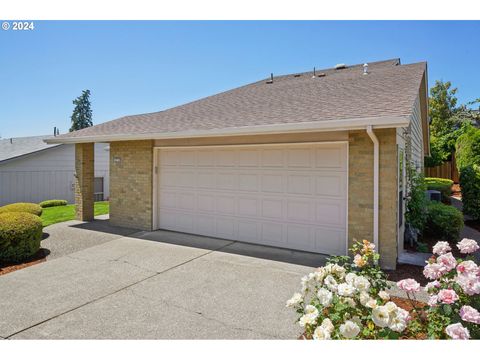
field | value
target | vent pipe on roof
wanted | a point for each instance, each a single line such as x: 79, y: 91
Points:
x: 314, y: 74
x: 271, y: 79
x: 365, y: 69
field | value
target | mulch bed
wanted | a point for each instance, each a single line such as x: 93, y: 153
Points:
x: 407, y: 271
x: 39, y: 257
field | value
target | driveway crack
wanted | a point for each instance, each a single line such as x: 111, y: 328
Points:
x: 201, y: 314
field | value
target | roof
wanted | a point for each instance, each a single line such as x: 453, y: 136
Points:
x: 15, y: 147
x: 386, y: 95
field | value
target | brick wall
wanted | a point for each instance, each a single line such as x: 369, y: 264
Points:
x: 84, y: 181
x: 131, y: 178
x: 360, y: 192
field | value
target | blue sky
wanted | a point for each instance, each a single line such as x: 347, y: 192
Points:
x: 136, y: 67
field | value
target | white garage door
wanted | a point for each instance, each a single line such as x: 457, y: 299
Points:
x: 292, y: 196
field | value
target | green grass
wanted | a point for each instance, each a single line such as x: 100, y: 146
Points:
x: 56, y: 214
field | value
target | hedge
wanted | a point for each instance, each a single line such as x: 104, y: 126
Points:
x: 439, y: 184
x: 50, y: 203
x: 20, y: 236
x: 470, y: 185
x: 443, y: 221
x: 468, y: 149
x: 31, y: 208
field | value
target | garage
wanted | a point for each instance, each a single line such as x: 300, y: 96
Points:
x: 285, y: 195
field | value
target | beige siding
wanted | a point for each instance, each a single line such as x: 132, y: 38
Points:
x: 417, y: 135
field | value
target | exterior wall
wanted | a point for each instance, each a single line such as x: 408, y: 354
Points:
x: 416, y: 136
x: 131, y: 176
x: 360, y: 193
x: 84, y: 175
x: 47, y: 175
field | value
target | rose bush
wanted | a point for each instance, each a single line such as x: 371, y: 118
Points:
x: 344, y: 300
x: 454, y: 293
x: 347, y: 299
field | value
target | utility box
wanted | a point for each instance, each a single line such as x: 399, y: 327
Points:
x: 433, y: 195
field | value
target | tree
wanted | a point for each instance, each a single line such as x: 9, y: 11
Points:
x: 442, y: 103
x: 82, y: 114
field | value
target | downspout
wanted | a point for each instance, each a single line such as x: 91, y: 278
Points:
x: 376, y: 145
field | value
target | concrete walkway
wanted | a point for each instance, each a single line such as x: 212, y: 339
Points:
x: 157, y: 285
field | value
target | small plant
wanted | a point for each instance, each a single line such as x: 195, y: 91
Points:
x: 51, y: 203
x: 20, y: 236
x: 31, y: 208
x: 415, y: 198
x: 422, y: 247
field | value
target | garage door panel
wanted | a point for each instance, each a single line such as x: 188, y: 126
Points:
x: 290, y: 196
x: 272, y: 183
x: 299, y: 158
x: 330, y: 241
x: 272, y: 158
x: 248, y: 182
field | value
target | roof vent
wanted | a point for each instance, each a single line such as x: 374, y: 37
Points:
x: 297, y: 75
x: 271, y: 79
x: 365, y: 69
x: 340, y: 66
x: 321, y: 75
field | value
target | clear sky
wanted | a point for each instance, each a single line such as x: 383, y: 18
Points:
x: 139, y: 67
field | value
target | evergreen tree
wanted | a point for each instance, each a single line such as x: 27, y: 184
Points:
x: 82, y: 114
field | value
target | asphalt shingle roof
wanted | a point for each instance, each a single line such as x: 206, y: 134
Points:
x: 14, y: 147
x: 390, y: 89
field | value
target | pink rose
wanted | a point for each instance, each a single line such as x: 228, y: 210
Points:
x: 467, y: 267
x: 441, y: 248
x: 408, y: 285
x: 448, y: 261
x: 468, y: 313
x: 467, y: 246
x: 469, y: 284
x: 432, y: 285
x: 433, y: 271
x: 457, y: 332
x: 433, y: 300
x: 447, y: 296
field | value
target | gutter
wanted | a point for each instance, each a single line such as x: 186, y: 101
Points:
x: 376, y: 168
x: 327, y: 125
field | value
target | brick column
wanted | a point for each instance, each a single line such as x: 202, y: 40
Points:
x: 84, y: 180
x: 360, y: 192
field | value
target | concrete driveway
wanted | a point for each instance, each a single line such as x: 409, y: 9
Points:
x: 153, y: 285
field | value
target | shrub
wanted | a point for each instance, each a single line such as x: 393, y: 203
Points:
x: 50, y: 203
x: 468, y: 149
x: 20, y: 236
x: 439, y: 184
x: 443, y: 221
x: 470, y: 185
x: 31, y: 208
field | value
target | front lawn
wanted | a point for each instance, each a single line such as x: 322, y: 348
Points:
x: 56, y: 214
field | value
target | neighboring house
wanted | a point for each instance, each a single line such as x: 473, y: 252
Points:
x: 33, y: 171
x: 305, y: 161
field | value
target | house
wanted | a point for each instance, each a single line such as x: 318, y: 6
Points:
x: 33, y: 171
x: 306, y: 161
